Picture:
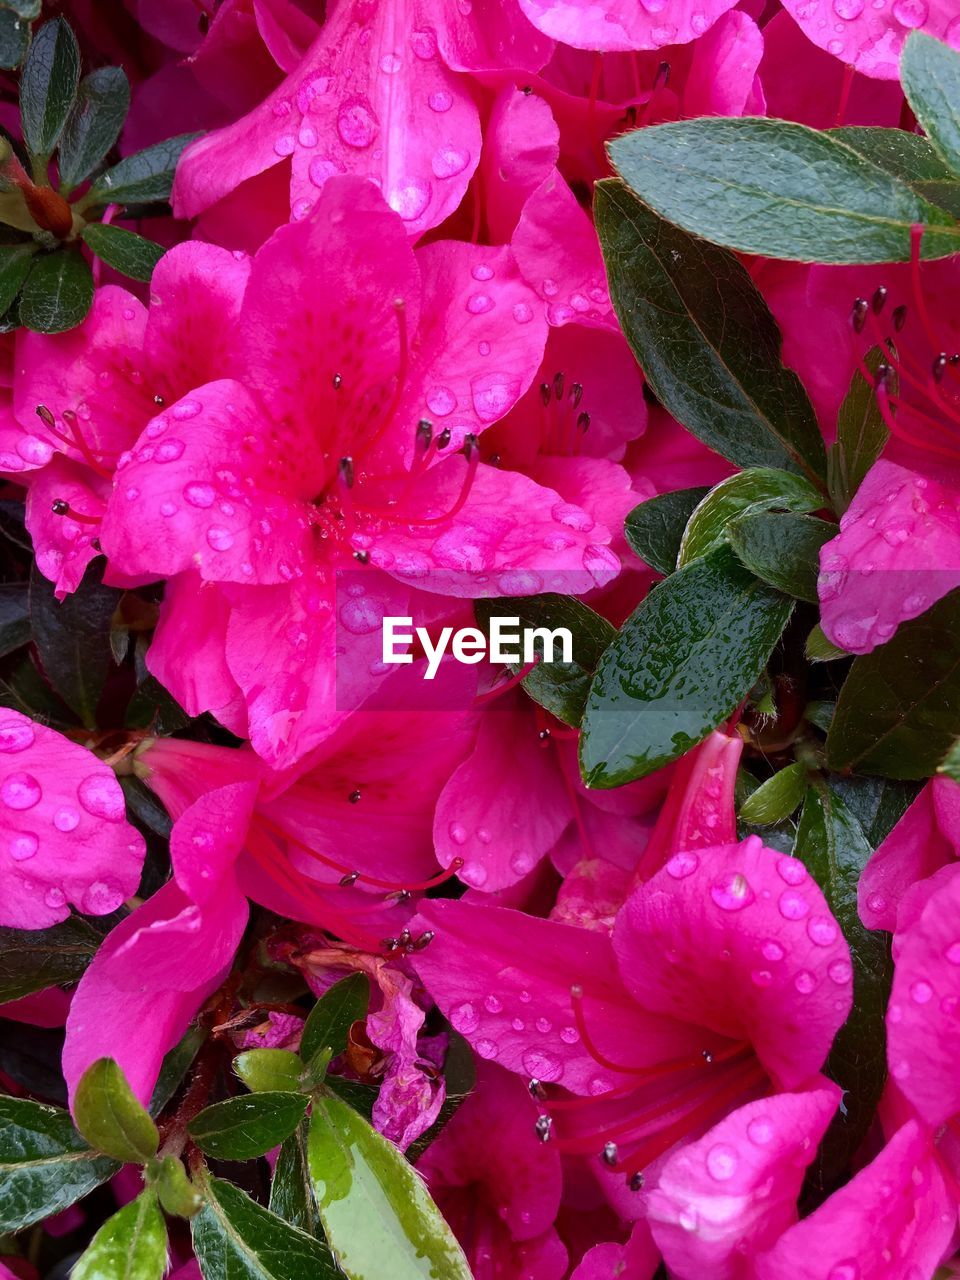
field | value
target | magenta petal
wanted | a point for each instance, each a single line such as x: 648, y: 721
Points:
x: 724, y: 65
x: 63, y: 546
x: 207, y: 838
x: 63, y: 830
x: 623, y: 24
x: 639, y: 1259
x: 871, y: 39
x: 487, y: 35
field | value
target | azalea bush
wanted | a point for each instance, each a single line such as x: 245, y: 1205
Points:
x: 635, y: 320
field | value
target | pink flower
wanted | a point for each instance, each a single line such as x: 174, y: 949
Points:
x: 623, y: 24
x: 726, y: 978
x: 871, y: 39
x: 63, y: 829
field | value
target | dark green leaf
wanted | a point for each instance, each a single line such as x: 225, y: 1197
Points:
x: 31, y: 961
x: 909, y: 157
x: 754, y: 490
x: 776, y: 798
x: 459, y: 1077
x: 832, y: 845
x: 782, y: 550
x: 861, y: 434
x: 73, y: 638
x: 291, y: 1192
x: 152, y: 707
x: 359, y: 1096
x: 819, y: 649
x: 269, y: 1070
x: 57, y: 293
x: 246, y: 1127
x: 132, y: 1245
x: 930, y: 74
x: 145, y: 807
x: 110, y: 1117
x: 705, y: 339
x: 899, y: 710
x: 780, y: 189
x: 14, y: 617
x: 94, y: 124
x: 14, y: 39
x: 377, y: 1215
x: 820, y: 714
x: 877, y: 804
x: 175, y: 1066
x: 143, y: 178
x: 48, y: 86
x: 561, y: 687
x: 15, y: 263
x: 125, y: 251
x: 29, y: 9
x: 45, y: 1165
x: 333, y: 1015
x: 682, y: 662
x: 654, y: 528
x: 236, y: 1239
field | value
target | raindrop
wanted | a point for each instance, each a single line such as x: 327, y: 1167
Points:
x: 541, y: 1065
x: 465, y: 1019
x: 220, y: 539
x: 722, y: 1162
x: 732, y: 892
x: 101, y: 796
x: 199, y: 495
x: 448, y: 161
x: 23, y: 846
x: 793, y: 906
x: 15, y: 736
x: 20, y: 791
x: 682, y: 865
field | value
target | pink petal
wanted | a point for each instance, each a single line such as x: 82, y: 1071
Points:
x: 639, y: 1258
x: 63, y: 829
x: 740, y: 939
x: 725, y: 62
x: 207, y: 838
x: 898, y: 551
x: 64, y: 547
x: 734, y: 1191
x: 623, y: 24
x: 487, y: 35
x: 520, y: 148
x: 286, y: 31
x: 180, y: 770
x: 871, y: 39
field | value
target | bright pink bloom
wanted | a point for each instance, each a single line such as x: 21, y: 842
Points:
x: 623, y: 24
x: 733, y: 980
x: 639, y: 1258
x: 870, y: 39
x: 496, y: 1184
x: 63, y: 829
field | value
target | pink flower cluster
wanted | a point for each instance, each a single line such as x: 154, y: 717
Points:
x: 379, y: 373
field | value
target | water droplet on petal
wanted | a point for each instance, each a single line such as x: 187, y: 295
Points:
x: 410, y: 198
x: 464, y: 1019
x: 732, y: 892
x: 220, y: 539
x: 541, y: 1065
x: 20, y: 791
x: 186, y: 409
x: 772, y: 950
x: 793, y: 906
x: 54, y: 898
x: 66, y: 819
x: 522, y: 312
x: 102, y: 897
x: 486, y: 1048
x: 911, y: 13
x: 447, y: 162
x: 440, y: 101
x: 805, y: 982
x: 199, y: 495
x: 722, y: 1162
x: 441, y: 401
x: 15, y: 736
x: 356, y: 123
x: 921, y: 992
x: 23, y: 845
x: 792, y: 870
x: 682, y: 865
x: 100, y: 795
x: 840, y: 972
x: 821, y: 930
x: 760, y: 1131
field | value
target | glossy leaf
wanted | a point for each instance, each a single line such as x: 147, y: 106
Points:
x: 757, y: 489
x: 263, y: 1070
x: 291, y: 1191
x: 899, y: 709
x: 246, y: 1127
x: 930, y: 74
x: 143, y: 178
x: 909, y: 157
x: 14, y: 39
x: 125, y: 251
x: 57, y: 293
x: 14, y: 617
x: 705, y: 339
x: 377, y: 1215
x: 861, y: 434
x: 48, y: 86
x: 780, y: 189
x: 782, y: 550
x: 655, y: 528
x: 877, y: 804
x: 110, y: 1117
x: 31, y: 961
x: 175, y: 1066
x: 681, y: 664
x: 776, y: 798
x: 93, y: 125
x: 832, y: 845
x: 15, y: 263
x: 236, y: 1239
x: 45, y: 1166
x: 561, y: 687
x: 132, y: 1245
x: 333, y: 1015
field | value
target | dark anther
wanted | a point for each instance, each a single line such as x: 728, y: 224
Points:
x: 95, y: 543
x: 403, y: 895
x: 878, y: 299
x: 858, y: 316
x: 45, y: 416
x: 883, y: 373
x: 899, y: 317
x: 545, y: 393
x: 635, y: 1182
x: 609, y: 1154
x: 583, y: 421
x: 423, y: 941
x: 337, y: 382
x: 345, y: 472
x: 535, y: 1088
x: 939, y: 367
x: 405, y: 937
x: 203, y: 22
x: 471, y: 446
x: 955, y: 359
x: 59, y: 507
x: 542, y: 1127
x: 662, y: 78
x: 363, y: 557
x: 543, y: 735
x: 424, y: 435
x: 707, y: 1056
x: 159, y: 401
x: 630, y: 117
x: 350, y: 878
x: 576, y: 394
x: 354, y: 796
x: 390, y: 944
x: 443, y: 439
x: 527, y: 89
x: 493, y: 460
x: 558, y: 385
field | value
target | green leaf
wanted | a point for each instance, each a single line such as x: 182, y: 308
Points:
x: 14, y: 617
x: 15, y: 263
x: 175, y: 1066
x: 132, y: 1245
x: 57, y: 293
x: 236, y: 1239
x: 833, y: 847
x: 29, y: 9
x: 94, y: 124
x: 654, y: 528
x: 681, y: 664
x: 48, y: 86
x: 377, y: 1215
x: 899, y: 709
x: 782, y: 550
x: 14, y: 39
x: 861, y: 434
x: 908, y: 157
x: 73, y: 638
x: 333, y: 1015
x: 45, y: 1166
x: 780, y: 189
x: 705, y: 339
x: 776, y: 798
x: 265, y: 1070
x: 561, y: 687
x: 291, y: 1191
x: 877, y: 804
x: 125, y: 251
x: 177, y: 1193
x: 758, y: 489
x: 143, y: 178
x: 110, y: 1117
x: 819, y: 649
x: 930, y: 75
x: 246, y: 1127
x: 32, y: 961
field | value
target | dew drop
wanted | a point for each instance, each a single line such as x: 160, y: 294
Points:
x: 102, y: 897
x: 440, y: 101
x: 441, y: 401
x: 465, y: 1019
x: 101, y: 796
x: 15, y: 735
x: 23, y: 845
x: 479, y: 304
x: 793, y: 906
x: 54, y: 898
x: 772, y: 950
x: 722, y: 1162
x: 492, y: 1004
x: 732, y: 892
x: 569, y: 1035
x: 921, y: 992
x: 356, y: 123
x: 220, y: 539
x: 486, y: 1048
x: 760, y: 1131
x: 840, y: 972
x: 911, y: 13
x: 541, y: 1065
x: 821, y: 930
x: 199, y: 495
x: 20, y: 791
x: 447, y: 162
x: 792, y: 870
x: 66, y: 819
x: 682, y: 865
x: 186, y: 409
x: 522, y: 312
x: 953, y: 953
x: 805, y: 982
